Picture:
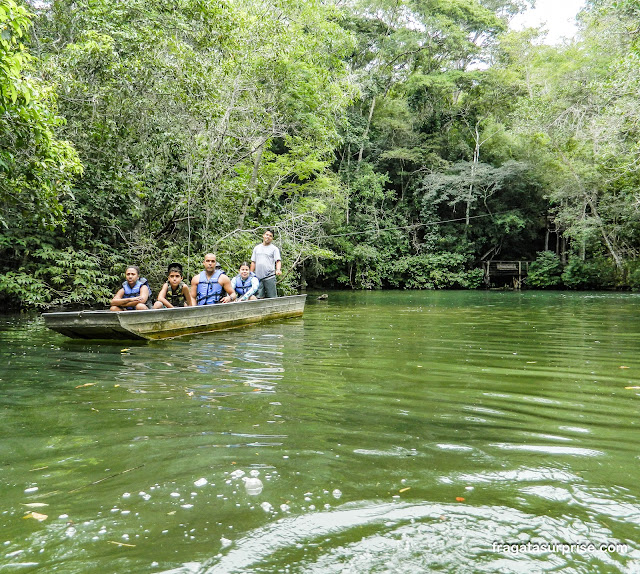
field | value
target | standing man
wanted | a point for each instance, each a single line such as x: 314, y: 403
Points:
x: 208, y: 287
x: 266, y: 264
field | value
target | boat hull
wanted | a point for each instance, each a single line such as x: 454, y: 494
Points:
x: 167, y: 323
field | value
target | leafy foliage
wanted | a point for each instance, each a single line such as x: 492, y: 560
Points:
x: 56, y: 277
x: 439, y: 271
x: 36, y: 168
x: 598, y: 273
x: 388, y: 144
x: 545, y: 271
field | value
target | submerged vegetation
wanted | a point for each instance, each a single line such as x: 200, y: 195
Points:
x: 391, y: 144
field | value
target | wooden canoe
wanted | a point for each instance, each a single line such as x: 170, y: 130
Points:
x: 167, y: 323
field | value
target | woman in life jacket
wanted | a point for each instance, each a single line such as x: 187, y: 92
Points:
x: 135, y: 293
x: 175, y: 292
x: 245, y: 284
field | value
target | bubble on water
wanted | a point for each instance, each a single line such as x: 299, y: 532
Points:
x: 126, y: 494
x: 125, y: 537
x: 307, y: 499
x: 337, y: 493
x: 225, y: 542
x: 186, y: 505
x: 201, y: 482
x: 253, y: 486
x: 285, y: 507
x: 237, y: 473
x: 146, y: 497
x: 32, y: 489
x: 63, y: 516
x: 126, y: 512
x: 312, y: 507
x: 70, y: 532
x: 266, y: 506
x: 255, y: 473
x: 103, y: 530
x: 175, y: 494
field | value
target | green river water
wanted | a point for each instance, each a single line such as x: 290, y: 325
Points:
x: 394, y: 432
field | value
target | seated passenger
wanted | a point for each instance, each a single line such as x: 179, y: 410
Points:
x: 175, y: 292
x: 245, y: 284
x: 135, y: 293
x: 207, y: 288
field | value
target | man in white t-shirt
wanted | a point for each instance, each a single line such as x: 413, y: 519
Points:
x: 266, y: 264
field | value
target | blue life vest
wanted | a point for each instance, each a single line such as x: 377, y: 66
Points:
x: 209, y: 290
x: 243, y: 286
x: 135, y: 290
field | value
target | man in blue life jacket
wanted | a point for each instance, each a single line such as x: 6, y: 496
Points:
x: 212, y: 285
x: 266, y: 264
x: 135, y: 293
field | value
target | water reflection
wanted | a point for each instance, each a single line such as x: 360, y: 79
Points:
x: 384, y: 432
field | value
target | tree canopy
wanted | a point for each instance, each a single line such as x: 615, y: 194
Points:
x: 390, y: 144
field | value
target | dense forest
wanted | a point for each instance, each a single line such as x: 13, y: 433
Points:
x: 389, y: 143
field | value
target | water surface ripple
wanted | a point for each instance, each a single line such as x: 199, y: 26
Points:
x: 383, y: 432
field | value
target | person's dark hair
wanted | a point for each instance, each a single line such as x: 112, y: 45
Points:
x: 270, y: 231
x: 174, y: 267
x: 133, y: 267
x: 244, y: 264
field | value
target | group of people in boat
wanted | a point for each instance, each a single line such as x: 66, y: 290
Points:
x: 255, y: 280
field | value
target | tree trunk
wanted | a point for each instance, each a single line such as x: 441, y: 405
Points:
x: 252, y: 184
x: 546, y: 240
x: 366, y: 131
x: 474, y: 166
x: 607, y: 239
